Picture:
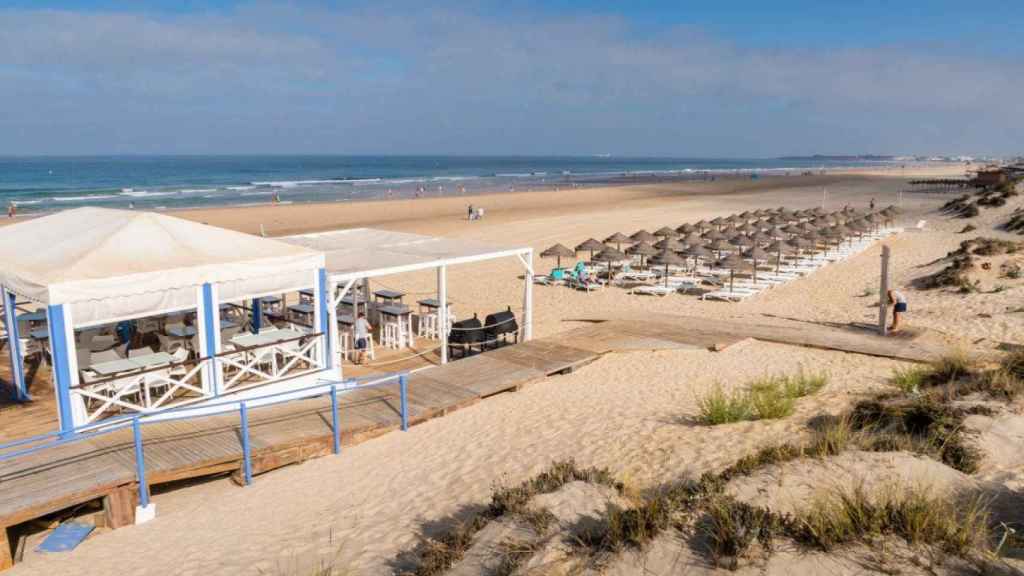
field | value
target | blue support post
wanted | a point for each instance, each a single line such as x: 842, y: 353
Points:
x: 243, y: 413
x: 140, y: 464
x: 14, y: 343
x: 257, y: 315
x: 323, y: 298
x: 210, y: 335
x: 335, y: 419
x: 403, y: 389
x: 60, y: 351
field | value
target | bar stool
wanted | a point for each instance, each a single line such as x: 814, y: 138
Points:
x: 427, y: 327
x: 392, y: 334
x: 344, y: 343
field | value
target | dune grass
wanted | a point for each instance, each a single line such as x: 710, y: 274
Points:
x: 956, y: 525
x: 766, y: 398
x: 437, y: 555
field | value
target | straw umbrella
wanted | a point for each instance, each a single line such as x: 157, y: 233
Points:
x: 643, y: 236
x: 779, y: 247
x: 693, y: 239
x: 618, y: 239
x: 609, y: 255
x: 590, y: 245
x: 740, y: 241
x: 667, y: 258
x: 717, y: 222
x: 558, y: 251
x: 714, y: 235
x: 733, y: 262
x: 701, y: 225
x: 669, y: 244
x: 718, y: 245
x: 641, y: 249
x: 800, y: 244
x: 697, y: 251
x: 686, y: 229
x: 666, y: 232
x: 760, y: 238
x: 756, y: 254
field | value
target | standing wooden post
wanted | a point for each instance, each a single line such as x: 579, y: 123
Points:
x: 883, y: 293
x: 403, y: 392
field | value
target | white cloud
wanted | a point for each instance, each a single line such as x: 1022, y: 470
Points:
x: 270, y: 77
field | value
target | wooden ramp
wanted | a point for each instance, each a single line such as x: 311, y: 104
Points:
x: 104, y: 467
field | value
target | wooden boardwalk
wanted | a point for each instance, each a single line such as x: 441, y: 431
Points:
x: 104, y: 467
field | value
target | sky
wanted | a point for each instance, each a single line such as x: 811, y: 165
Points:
x: 558, y: 77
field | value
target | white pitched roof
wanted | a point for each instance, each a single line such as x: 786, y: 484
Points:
x: 368, y: 252
x: 114, y: 264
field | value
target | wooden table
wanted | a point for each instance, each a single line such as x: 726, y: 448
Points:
x: 388, y: 297
x: 403, y: 317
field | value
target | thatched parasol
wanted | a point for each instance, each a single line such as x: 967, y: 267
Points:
x: 643, y: 236
x: 757, y: 255
x: 714, y: 235
x: 697, y: 251
x: 693, y: 239
x: 667, y: 258
x: 669, y: 244
x: 779, y: 248
x: 666, y: 232
x: 618, y: 239
x: 590, y: 245
x: 609, y: 255
x: 687, y: 229
x: 558, y: 251
x: 642, y: 249
x: 718, y: 245
x: 733, y: 262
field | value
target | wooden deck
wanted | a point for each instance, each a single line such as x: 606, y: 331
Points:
x: 104, y: 468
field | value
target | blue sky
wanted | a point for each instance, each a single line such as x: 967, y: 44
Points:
x: 557, y: 77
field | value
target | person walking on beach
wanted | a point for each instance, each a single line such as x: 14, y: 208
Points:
x: 871, y: 205
x: 12, y: 209
x: 899, y: 307
x: 470, y: 212
x: 362, y: 331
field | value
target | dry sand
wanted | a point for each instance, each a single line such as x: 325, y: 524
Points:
x: 630, y: 412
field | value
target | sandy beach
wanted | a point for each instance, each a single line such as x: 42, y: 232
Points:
x: 629, y: 412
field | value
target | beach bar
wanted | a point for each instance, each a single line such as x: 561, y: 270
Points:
x: 355, y: 256
x: 82, y: 287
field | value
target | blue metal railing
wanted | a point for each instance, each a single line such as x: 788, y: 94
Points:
x: 241, y: 405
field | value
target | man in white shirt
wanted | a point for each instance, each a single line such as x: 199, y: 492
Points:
x: 362, y: 330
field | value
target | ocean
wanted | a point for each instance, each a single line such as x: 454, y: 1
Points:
x: 36, y: 184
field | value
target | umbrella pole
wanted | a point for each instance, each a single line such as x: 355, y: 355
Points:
x: 732, y: 273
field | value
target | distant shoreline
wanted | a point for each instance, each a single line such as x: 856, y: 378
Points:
x: 269, y: 193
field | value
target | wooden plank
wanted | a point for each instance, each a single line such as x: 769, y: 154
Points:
x: 119, y: 506
x: 485, y: 374
x: 546, y: 357
x: 6, y: 551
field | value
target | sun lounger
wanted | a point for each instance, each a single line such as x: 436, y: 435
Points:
x: 726, y: 295
x: 656, y: 290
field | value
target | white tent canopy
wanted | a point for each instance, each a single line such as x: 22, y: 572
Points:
x: 110, y: 265
x: 368, y: 252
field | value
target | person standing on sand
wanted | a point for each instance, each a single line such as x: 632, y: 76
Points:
x: 362, y: 331
x: 470, y: 212
x: 899, y: 302
x: 12, y: 209
x: 871, y: 205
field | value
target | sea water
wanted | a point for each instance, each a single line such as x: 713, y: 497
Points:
x: 173, y: 182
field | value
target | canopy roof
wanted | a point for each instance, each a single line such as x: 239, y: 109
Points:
x: 117, y: 264
x: 369, y: 252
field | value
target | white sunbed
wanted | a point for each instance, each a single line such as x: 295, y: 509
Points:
x: 654, y: 290
x: 734, y: 296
